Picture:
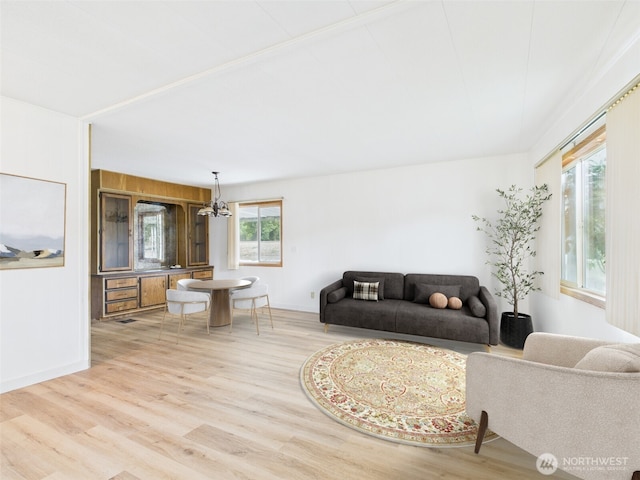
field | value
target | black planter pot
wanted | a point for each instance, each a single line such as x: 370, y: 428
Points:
x: 514, y: 331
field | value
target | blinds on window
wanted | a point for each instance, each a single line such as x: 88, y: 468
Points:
x: 233, y: 247
x: 623, y: 213
x: 547, y: 259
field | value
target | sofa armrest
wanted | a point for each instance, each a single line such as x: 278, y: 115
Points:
x: 564, y: 411
x: 323, y: 296
x: 560, y: 350
x: 492, y: 314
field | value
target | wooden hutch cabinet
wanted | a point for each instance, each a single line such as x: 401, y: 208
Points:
x: 145, y: 236
x: 116, y: 239
x: 198, y: 238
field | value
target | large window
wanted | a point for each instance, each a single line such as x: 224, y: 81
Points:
x: 583, y: 212
x: 260, y: 233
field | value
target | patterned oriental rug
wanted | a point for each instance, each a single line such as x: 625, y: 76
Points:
x: 400, y: 391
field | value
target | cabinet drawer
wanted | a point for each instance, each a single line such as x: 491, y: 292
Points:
x: 203, y: 274
x: 122, y: 294
x: 121, y: 282
x: 121, y: 306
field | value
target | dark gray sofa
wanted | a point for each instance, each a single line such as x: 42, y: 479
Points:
x: 399, y: 312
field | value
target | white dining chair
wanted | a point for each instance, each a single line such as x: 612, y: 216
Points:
x: 184, y: 303
x: 183, y: 284
x: 251, y: 281
x: 251, y: 298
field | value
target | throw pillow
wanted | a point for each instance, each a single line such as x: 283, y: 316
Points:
x: 424, y: 291
x: 374, y: 279
x: 476, y: 306
x: 455, y: 303
x: 365, y: 290
x: 438, y: 300
x: 337, y: 295
x: 623, y: 357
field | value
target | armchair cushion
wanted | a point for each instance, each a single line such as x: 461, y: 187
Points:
x: 612, y: 358
x: 560, y: 350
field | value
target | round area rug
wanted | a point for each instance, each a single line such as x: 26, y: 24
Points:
x: 401, y: 391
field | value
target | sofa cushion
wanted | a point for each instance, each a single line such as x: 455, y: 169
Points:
x: 417, y: 319
x: 365, y: 290
x: 469, y: 285
x: 393, y: 282
x: 337, y: 295
x: 454, y: 303
x: 623, y: 357
x: 361, y: 314
x: 380, y: 281
x: 424, y: 291
x: 476, y: 306
x: 438, y: 300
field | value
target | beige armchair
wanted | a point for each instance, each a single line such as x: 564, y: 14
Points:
x: 584, y: 411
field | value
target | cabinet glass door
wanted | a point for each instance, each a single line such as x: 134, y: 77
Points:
x: 115, y: 232
x: 198, y: 237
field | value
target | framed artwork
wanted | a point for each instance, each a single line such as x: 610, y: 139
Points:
x: 32, y: 222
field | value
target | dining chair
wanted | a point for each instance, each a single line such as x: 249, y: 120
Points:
x: 251, y: 281
x: 183, y: 284
x: 184, y: 303
x: 251, y: 298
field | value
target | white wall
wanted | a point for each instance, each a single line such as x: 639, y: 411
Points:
x: 567, y: 315
x: 410, y: 220
x: 44, y: 321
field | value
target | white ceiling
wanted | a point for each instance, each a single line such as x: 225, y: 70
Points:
x: 262, y: 90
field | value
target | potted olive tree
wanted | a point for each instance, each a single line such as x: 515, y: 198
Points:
x: 509, y: 250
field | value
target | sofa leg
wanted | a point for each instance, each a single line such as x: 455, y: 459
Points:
x: 482, y: 429
x: 487, y: 348
x: 326, y: 327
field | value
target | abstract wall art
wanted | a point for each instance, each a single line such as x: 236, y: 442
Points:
x: 32, y: 222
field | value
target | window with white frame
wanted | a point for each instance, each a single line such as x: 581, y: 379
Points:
x: 583, y: 264
x: 260, y: 233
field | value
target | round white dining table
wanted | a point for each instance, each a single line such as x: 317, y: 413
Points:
x: 220, y: 312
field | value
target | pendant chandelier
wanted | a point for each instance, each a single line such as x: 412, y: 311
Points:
x: 216, y: 207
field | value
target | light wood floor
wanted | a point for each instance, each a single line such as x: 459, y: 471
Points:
x: 224, y: 406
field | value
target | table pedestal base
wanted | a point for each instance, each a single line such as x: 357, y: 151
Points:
x: 220, y: 309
